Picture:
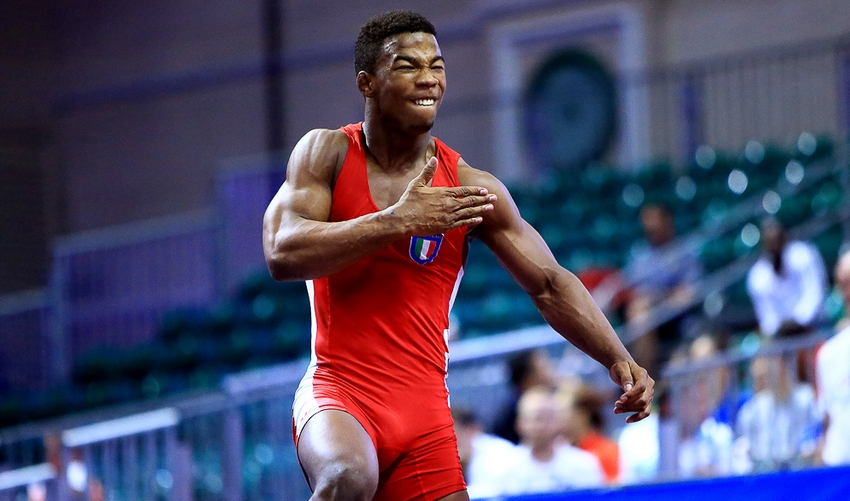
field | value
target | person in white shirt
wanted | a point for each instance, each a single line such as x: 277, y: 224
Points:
x: 787, y: 285
x: 485, y: 458
x: 543, y: 462
x: 775, y: 424
x: 833, y: 378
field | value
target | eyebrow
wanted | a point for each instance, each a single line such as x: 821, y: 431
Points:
x: 412, y: 60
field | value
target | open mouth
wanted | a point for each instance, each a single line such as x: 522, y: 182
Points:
x: 425, y: 102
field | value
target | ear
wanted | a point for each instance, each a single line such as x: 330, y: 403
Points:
x: 366, y: 84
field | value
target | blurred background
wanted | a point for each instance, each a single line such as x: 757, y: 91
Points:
x: 659, y: 146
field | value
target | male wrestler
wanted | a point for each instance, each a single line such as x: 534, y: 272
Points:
x: 375, y: 217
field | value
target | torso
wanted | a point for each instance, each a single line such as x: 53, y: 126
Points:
x: 387, y: 314
x: 380, y: 326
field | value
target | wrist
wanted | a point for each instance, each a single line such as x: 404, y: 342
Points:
x: 620, y: 359
x: 392, y: 223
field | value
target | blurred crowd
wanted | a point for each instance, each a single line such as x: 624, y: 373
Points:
x: 721, y: 408
x: 765, y: 404
x: 547, y: 437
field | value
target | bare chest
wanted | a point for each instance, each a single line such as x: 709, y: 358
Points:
x: 387, y: 188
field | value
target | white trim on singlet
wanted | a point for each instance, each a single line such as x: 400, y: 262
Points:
x: 446, y: 331
x: 314, y: 327
x: 457, y: 286
x: 304, y: 405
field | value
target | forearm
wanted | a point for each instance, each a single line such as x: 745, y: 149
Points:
x: 303, y: 249
x: 568, y: 307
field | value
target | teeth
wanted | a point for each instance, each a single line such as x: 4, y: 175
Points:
x: 425, y: 102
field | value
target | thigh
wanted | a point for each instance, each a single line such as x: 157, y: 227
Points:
x: 333, y: 440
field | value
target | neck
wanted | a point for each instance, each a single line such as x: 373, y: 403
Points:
x: 543, y: 452
x: 394, y: 148
x: 776, y: 261
x: 581, y: 430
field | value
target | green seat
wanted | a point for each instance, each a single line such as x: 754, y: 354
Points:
x: 829, y: 244
x: 828, y: 196
x: 794, y: 210
x: 810, y: 147
x: 718, y: 252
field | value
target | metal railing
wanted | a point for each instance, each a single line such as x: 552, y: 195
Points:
x: 720, y: 388
x: 235, y: 443
x: 102, y: 292
x: 770, y: 95
x: 723, y: 278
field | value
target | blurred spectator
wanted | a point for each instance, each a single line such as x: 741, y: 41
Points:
x: 485, y: 459
x: 648, y: 447
x: 81, y: 486
x: 527, y: 369
x: 583, y: 426
x: 776, y: 424
x: 706, y: 438
x: 660, y: 272
x: 36, y: 492
x: 833, y: 377
x: 543, y: 462
x: 787, y: 284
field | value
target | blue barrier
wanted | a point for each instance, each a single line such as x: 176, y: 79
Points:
x: 824, y: 484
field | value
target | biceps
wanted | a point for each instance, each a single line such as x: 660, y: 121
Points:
x: 292, y: 205
x: 312, y: 203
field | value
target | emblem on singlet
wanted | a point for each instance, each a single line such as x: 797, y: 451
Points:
x: 423, y: 250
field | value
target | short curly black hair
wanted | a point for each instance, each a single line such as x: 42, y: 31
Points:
x: 370, y: 41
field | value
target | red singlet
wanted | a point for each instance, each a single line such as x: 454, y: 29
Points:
x: 380, y: 351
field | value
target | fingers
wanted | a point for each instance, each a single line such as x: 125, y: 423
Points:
x: 634, y: 418
x: 438, y: 209
x: 638, y: 387
x: 424, y: 178
x: 473, y: 201
x: 466, y: 191
x: 466, y: 222
x: 641, y: 408
x: 473, y: 212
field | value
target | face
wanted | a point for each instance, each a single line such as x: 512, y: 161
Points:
x: 773, y: 238
x: 537, y: 419
x: 409, y: 81
x: 657, y: 225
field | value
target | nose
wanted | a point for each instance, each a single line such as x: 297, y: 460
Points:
x: 427, y: 78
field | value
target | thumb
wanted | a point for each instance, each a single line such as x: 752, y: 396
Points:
x: 428, y: 172
x: 622, y: 375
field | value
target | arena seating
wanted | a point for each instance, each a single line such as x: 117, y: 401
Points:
x: 590, y: 222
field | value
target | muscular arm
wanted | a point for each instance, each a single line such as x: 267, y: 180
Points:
x: 562, y: 299
x: 300, y: 244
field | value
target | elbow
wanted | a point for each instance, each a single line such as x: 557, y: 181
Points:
x: 283, y: 269
x: 280, y: 262
x: 279, y: 270
x: 545, y: 287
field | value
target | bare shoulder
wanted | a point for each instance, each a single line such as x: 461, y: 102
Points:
x: 470, y: 176
x: 310, y: 175
x: 318, y: 155
x: 505, y: 213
